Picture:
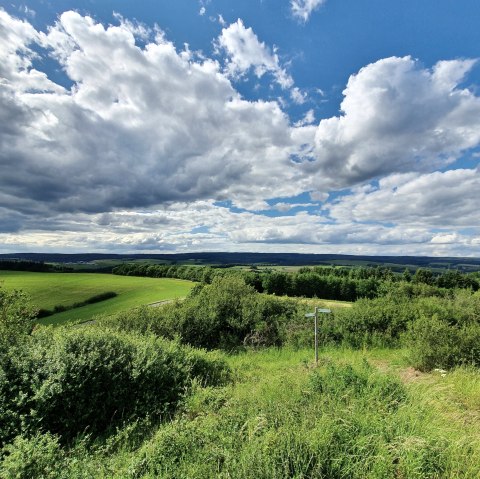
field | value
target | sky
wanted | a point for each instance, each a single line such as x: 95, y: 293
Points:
x: 309, y: 126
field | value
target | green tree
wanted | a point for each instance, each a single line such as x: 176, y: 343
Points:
x: 16, y: 316
x: 407, y: 276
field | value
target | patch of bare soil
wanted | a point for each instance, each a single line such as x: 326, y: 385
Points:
x: 407, y: 375
x: 410, y: 374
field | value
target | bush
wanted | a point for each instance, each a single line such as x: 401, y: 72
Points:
x: 36, y: 457
x: 69, y: 382
x: 60, y: 308
x: 16, y: 317
x: 435, y: 343
x: 376, y: 322
x: 226, y: 314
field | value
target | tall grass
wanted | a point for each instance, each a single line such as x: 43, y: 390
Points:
x: 281, y: 417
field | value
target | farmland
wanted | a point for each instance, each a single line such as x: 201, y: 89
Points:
x: 48, y: 290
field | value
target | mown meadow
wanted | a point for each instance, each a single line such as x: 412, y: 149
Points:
x: 223, y: 384
x: 57, y: 291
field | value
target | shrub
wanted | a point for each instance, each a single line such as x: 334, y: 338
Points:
x: 85, y: 380
x: 60, y: 308
x: 16, y: 316
x: 226, y: 314
x: 35, y: 457
x: 376, y: 322
x: 435, y: 343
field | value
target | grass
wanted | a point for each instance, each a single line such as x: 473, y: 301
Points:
x: 355, y: 415
x: 321, y: 303
x: 284, y: 417
x: 50, y: 289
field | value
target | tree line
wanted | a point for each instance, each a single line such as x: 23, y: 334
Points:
x: 34, y: 266
x: 337, y: 283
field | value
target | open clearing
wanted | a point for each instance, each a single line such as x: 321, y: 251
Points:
x: 50, y: 289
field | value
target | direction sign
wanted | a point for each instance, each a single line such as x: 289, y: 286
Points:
x: 315, y: 315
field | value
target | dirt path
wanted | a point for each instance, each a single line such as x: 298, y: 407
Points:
x: 156, y: 304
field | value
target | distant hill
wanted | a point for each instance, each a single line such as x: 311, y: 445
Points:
x: 396, y: 263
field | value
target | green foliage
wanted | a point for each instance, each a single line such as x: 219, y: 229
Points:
x: 59, y: 308
x: 226, y: 314
x: 442, y: 332
x: 70, y: 382
x: 36, y: 457
x: 16, y: 316
x: 26, y: 265
x: 344, y: 382
x: 280, y: 418
x: 346, y: 421
x: 50, y: 290
x: 446, y: 332
x: 338, y: 283
x: 376, y: 322
x: 435, y: 343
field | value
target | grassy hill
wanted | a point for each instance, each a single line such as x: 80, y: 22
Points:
x: 48, y: 290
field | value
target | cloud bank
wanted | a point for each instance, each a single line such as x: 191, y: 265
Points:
x: 139, y: 143
x: 397, y: 116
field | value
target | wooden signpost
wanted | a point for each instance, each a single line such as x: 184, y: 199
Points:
x: 315, y: 315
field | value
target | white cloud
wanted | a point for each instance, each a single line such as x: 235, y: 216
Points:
x: 29, y: 12
x: 284, y: 207
x: 135, y: 153
x: 298, y: 96
x: 397, y: 117
x: 319, y: 196
x: 308, y: 119
x: 302, y: 9
x: 140, y: 126
x: 245, y: 51
x: 202, y: 11
x: 439, y: 199
x: 174, y: 227
x: 16, y: 58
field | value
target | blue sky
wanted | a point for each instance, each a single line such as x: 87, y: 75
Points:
x: 319, y: 126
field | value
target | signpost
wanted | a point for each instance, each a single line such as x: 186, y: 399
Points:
x: 315, y: 315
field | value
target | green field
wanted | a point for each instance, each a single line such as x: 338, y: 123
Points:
x: 50, y: 289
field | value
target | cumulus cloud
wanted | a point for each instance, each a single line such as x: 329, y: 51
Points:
x: 397, y: 117
x: 245, y: 51
x: 135, y: 153
x: 302, y: 9
x: 307, y: 119
x: 437, y: 200
x: 202, y: 225
x: 176, y: 227
x: 140, y: 125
